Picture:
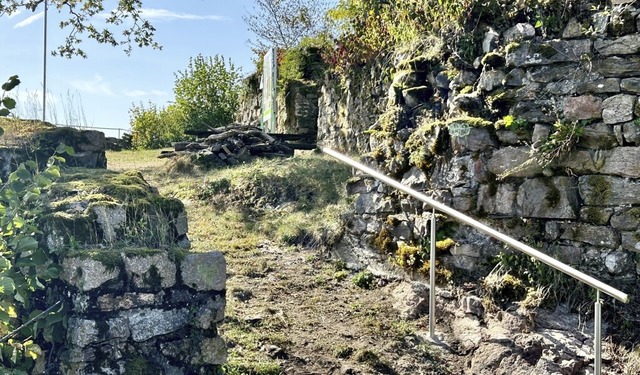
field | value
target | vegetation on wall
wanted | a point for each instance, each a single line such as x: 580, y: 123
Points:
x: 25, y: 265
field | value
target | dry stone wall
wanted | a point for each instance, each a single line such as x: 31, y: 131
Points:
x: 582, y: 207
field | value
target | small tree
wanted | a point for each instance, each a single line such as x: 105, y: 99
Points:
x: 284, y: 23
x: 208, y: 92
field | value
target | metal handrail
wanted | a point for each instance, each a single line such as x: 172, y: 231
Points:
x: 544, y: 258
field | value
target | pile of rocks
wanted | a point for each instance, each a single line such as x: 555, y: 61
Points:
x: 230, y: 145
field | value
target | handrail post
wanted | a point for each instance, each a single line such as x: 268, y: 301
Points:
x: 432, y: 277
x: 597, y: 337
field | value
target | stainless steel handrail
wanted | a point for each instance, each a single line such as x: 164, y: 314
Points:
x: 544, y: 258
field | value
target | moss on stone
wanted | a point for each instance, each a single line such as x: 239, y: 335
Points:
x: 546, y: 50
x: 474, y: 122
x: 383, y: 241
x: 140, y: 366
x: 511, y: 47
x: 594, y: 215
x: 601, y: 189
x: 493, y: 60
x: 552, y: 195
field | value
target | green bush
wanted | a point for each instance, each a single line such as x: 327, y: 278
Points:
x: 155, y: 127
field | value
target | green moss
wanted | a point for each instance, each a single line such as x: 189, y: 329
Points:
x: 445, y: 245
x: 511, y: 47
x: 383, y: 240
x: 493, y: 60
x: 552, y: 195
x: 466, y: 90
x: 474, y: 122
x: 601, y: 189
x: 152, y: 277
x: 409, y: 256
x: 140, y: 366
x: 544, y: 49
x: 593, y: 215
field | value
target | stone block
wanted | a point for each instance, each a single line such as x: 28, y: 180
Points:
x: 600, y: 86
x: 625, y: 45
x: 631, y: 85
x: 82, y: 332
x: 552, y: 73
x: 631, y: 132
x: 585, y: 107
x: 626, y: 219
x: 617, y: 262
x: 414, y: 178
x: 616, y: 66
x: 598, y: 136
x: 491, y: 80
x: 599, y: 190
x: 148, y: 323
x: 477, y: 139
x: 536, y: 111
x: 87, y: 274
x: 151, y: 271
x: 204, y: 271
x: 618, y: 108
x: 597, y: 215
x: 572, y: 30
x: 501, y: 202
x: 110, y: 302
x: 591, y: 234
x: 212, y: 351
x: 622, y: 161
x: 519, y: 32
x: 514, y: 161
x: 530, y: 53
x: 548, y: 198
x: 111, y: 219
x: 631, y: 241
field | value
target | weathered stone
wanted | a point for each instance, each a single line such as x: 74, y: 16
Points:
x: 213, y: 351
x: 617, y: 131
x: 622, y: 161
x: 490, y: 41
x: 616, y: 66
x: 568, y: 254
x: 515, y: 77
x: 491, y: 79
x: 360, y: 185
x: 464, y: 199
x: 497, y: 200
x: 540, y: 133
x: 82, y: 332
x: 407, y: 78
x: 552, y: 230
x: 519, y: 32
x: 549, y: 198
x: 110, y: 219
x: 477, y: 139
x: 631, y: 133
x: 442, y: 80
x: 210, y: 313
x: 204, y: 271
x: 599, y: 190
x: 584, y: 107
x: 627, y: 219
x: 617, y: 262
x: 591, y: 234
x: 530, y: 53
x: 618, y: 108
x: 529, y: 92
x: 466, y: 249
x: 414, y: 178
x: 109, y: 302
x: 631, y: 241
x: 357, y: 225
x: 572, y: 30
x: 598, y: 136
x: 366, y: 203
x: 563, y: 87
x: 148, y: 323
x: 631, y: 85
x: 411, y: 299
x: 597, y: 215
x: 514, y: 161
x: 462, y: 79
x: 626, y: 45
x: 550, y: 73
x: 472, y: 305
x: 470, y: 103
x: 599, y: 86
x: 151, y: 271
x: 402, y: 230
x: 181, y: 224
x: 539, y: 111
x: 508, y: 137
x: 87, y: 274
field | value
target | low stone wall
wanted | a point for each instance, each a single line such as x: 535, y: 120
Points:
x: 144, y: 312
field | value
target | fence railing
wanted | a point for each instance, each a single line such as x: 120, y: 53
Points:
x: 598, y: 285
x: 120, y: 131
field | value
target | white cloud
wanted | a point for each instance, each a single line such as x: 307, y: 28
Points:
x: 139, y: 93
x: 167, y: 15
x: 29, y: 20
x: 97, y: 85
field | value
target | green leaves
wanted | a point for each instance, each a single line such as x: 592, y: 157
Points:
x: 11, y: 83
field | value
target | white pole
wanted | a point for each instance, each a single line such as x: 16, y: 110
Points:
x: 432, y: 277
x: 44, y: 68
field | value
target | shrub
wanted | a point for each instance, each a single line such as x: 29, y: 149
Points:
x: 155, y: 127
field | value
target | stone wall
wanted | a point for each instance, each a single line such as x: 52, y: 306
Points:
x: 135, y: 299
x: 448, y: 138
x: 145, y: 311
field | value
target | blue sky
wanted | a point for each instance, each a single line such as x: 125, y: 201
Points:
x: 98, y: 91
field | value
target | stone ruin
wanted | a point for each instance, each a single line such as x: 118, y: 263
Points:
x: 135, y: 300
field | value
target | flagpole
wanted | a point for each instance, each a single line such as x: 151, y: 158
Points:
x: 44, y: 69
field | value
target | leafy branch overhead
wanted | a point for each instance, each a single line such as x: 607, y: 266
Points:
x: 85, y: 18
x: 285, y: 23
